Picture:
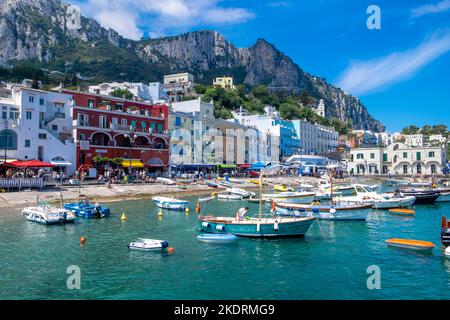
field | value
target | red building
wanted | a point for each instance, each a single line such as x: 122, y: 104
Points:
x: 111, y: 127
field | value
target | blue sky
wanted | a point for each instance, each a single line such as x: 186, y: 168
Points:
x: 401, y: 72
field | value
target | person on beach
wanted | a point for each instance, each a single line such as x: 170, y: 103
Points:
x: 241, y: 213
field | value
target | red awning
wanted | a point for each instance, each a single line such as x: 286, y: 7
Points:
x: 32, y: 164
x: 245, y: 165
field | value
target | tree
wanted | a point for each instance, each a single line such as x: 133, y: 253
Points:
x: 290, y: 111
x: 410, y: 130
x: 122, y: 93
x: 200, y: 89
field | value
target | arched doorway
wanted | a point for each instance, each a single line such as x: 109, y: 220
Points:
x: 100, y: 139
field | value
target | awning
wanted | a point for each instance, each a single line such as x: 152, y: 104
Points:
x: 135, y: 163
x: 244, y: 165
x: 258, y: 165
x: 154, y: 163
x: 61, y: 163
x: 192, y: 165
x: 227, y: 166
x: 32, y: 164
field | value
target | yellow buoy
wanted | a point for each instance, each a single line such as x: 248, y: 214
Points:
x: 160, y: 213
x: 124, y: 216
x: 187, y: 210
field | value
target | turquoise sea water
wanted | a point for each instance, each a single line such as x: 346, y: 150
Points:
x: 34, y: 258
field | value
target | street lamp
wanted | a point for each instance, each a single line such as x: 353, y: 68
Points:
x: 132, y: 136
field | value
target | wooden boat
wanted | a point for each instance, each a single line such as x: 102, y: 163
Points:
x: 216, y: 237
x: 170, y: 203
x: 212, y: 184
x: 229, y: 196
x: 418, y: 245
x: 349, y: 212
x: 260, y: 227
x: 422, y: 196
x: 402, y: 212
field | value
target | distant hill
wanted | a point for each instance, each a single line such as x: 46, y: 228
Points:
x: 44, y: 33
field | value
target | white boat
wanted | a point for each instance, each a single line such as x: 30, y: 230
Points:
x: 170, y: 203
x: 306, y: 197
x: 165, y: 181
x: 343, y: 189
x: 229, y: 196
x: 242, y: 192
x: 326, y: 194
x: 46, y: 214
x: 379, y: 201
x: 148, y: 245
x: 347, y: 212
x: 444, y: 197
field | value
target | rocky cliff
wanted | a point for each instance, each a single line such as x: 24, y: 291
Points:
x: 52, y: 34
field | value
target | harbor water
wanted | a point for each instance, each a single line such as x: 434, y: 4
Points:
x: 34, y: 259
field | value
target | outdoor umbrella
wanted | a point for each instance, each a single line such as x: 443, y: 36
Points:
x: 32, y: 164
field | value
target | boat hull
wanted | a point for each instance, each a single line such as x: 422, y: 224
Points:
x: 322, y: 214
x: 444, y: 197
x: 290, y: 228
x: 424, y: 197
x: 171, y: 206
x: 89, y: 211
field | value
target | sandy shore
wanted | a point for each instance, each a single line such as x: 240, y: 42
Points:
x: 101, y: 193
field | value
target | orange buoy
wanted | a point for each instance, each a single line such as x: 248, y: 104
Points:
x: 171, y: 250
x: 82, y: 240
x: 198, y: 208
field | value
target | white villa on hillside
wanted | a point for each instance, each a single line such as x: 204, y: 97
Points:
x: 398, y: 158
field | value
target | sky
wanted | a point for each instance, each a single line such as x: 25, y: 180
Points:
x: 399, y: 70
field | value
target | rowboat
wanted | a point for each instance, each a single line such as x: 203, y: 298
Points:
x: 212, y: 184
x: 148, y: 245
x: 256, y: 181
x: 256, y: 228
x: 229, y: 196
x: 402, y: 212
x: 170, y: 203
x: 85, y: 209
x: 418, y: 245
x: 348, y: 212
x: 216, y: 237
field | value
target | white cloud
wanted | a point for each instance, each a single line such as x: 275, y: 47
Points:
x: 363, y: 77
x: 441, y: 6
x: 159, y: 16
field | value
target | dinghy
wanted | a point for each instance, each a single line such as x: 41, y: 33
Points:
x: 148, y: 245
x: 170, y: 203
x: 216, y: 237
x: 212, y: 184
x: 229, y: 196
x: 402, y: 212
x: 85, y: 209
x: 418, y: 245
x: 282, y: 188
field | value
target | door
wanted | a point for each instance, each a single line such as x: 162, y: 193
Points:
x: 41, y: 153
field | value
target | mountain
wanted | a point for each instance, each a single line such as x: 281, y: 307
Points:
x: 52, y: 35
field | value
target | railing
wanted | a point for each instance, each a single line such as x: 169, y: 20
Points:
x: 14, y: 183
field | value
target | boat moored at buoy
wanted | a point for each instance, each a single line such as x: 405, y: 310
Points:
x: 411, y: 244
x: 216, y: 237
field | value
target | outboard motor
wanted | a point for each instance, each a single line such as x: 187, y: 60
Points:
x: 445, y: 232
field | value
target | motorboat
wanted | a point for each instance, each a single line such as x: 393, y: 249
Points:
x: 417, y: 245
x: 165, y: 181
x: 279, y: 227
x: 242, y: 192
x: 85, y: 209
x: 226, y: 184
x: 211, y: 184
x: 282, y: 188
x: 444, y: 196
x: 353, y: 211
x: 379, y: 201
x: 47, y: 214
x: 216, y: 237
x: 170, y: 203
x: 229, y: 196
x: 423, y: 196
x: 148, y: 245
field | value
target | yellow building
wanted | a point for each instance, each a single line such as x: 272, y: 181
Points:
x: 224, y: 82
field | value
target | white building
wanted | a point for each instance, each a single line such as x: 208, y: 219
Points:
x: 414, y: 140
x: 153, y: 92
x: 197, y: 107
x: 316, y: 139
x: 178, y: 85
x: 437, y: 139
x: 385, y: 138
x: 398, y: 158
x: 320, y: 110
x: 37, y: 124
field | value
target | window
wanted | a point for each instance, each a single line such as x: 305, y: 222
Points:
x: 83, y: 120
x: 102, y: 122
x: 8, y: 140
x: 27, y: 143
x: 431, y: 154
x: 42, y: 136
x: 405, y: 155
x: 82, y: 137
x: 133, y: 123
x: 178, y: 121
x: 385, y: 157
x: 28, y: 115
x: 144, y: 125
x: 31, y: 99
x: 160, y: 127
x: 418, y: 156
x: 54, y: 127
x: 419, y: 169
x: 152, y: 126
x: 123, y: 122
x: 360, y: 156
x: 90, y: 103
x: 41, y: 101
x: 4, y: 115
x: 372, y: 156
x: 405, y: 169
